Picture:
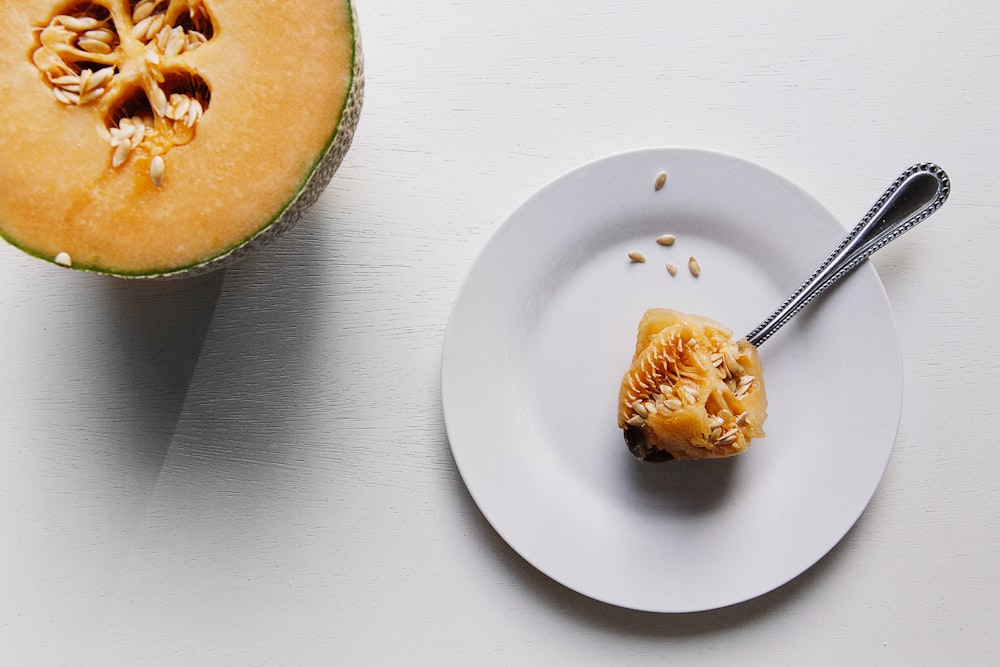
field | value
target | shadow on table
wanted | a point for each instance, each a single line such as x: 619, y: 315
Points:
x: 218, y: 362
x: 227, y: 364
x: 153, y: 334
x: 260, y: 377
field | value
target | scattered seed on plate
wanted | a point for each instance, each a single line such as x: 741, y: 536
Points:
x: 666, y: 239
x: 62, y: 259
x: 661, y: 180
x: 694, y: 267
x: 671, y: 268
x: 636, y: 256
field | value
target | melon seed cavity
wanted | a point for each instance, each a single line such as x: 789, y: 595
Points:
x: 83, y: 53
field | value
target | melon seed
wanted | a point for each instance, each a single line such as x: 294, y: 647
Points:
x: 99, y: 78
x: 157, y: 169
x: 139, y: 29
x: 666, y: 239
x: 66, y: 81
x: 694, y: 267
x: 672, y: 268
x: 727, y: 440
x: 120, y: 153
x: 158, y: 100
x: 77, y: 23
x: 90, y: 95
x: 142, y: 10
x: 100, y: 34
x: 637, y: 256
x: 176, y: 42
x: 94, y: 46
x: 157, y: 23
x: 661, y: 180
x: 62, y: 259
x: 195, y: 39
x: 65, y: 96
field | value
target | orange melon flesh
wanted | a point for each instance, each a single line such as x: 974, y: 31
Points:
x: 279, y: 79
x: 691, y: 392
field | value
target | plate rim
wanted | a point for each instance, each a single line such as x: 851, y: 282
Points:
x: 474, y: 266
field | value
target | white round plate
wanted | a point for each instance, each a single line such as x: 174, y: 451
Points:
x: 544, y: 328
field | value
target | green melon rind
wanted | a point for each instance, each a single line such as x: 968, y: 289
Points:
x: 312, y: 187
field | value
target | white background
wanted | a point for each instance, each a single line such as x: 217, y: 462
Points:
x: 251, y: 467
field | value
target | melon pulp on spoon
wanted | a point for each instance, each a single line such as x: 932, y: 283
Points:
x: 154, y: 138
x: 691, y: 391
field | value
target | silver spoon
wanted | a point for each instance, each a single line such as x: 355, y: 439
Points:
x: 912, y: 198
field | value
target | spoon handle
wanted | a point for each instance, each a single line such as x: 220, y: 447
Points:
x: 913, y: 197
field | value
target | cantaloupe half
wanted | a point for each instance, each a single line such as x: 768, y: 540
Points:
x: 164, y: 138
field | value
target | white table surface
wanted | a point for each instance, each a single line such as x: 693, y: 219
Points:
x: 251, y: 467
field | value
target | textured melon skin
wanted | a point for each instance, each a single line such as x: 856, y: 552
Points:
x: 312, y: 188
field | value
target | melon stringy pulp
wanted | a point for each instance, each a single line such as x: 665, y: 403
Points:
x: 163, y: 138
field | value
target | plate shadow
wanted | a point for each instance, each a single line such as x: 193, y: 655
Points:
x: 683, y: 487
x: 643, y: 625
